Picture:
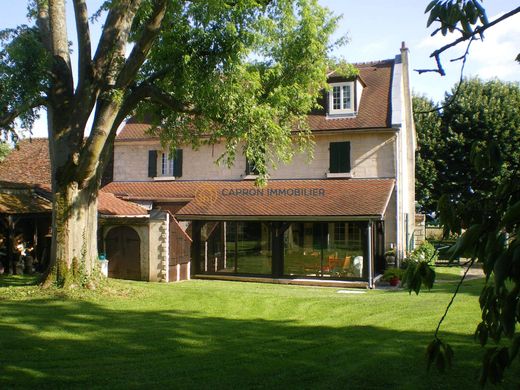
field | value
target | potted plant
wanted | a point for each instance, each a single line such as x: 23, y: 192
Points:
x: 393, y: 276
x: 390, y: 258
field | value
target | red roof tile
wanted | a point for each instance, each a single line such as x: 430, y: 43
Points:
x: 28, y: 164
x: 23, y: 199
x: 374, y: 109
x: 108, y: 204
x: 281, y: 198
x: 375, y: 106
x: 27, y: 169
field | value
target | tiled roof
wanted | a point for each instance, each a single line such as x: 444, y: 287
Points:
x: 374, y: 110
x: 19, y: 199
x: 108, y: 204
x: 28, y: 164
x: 281, y: 198
x: 133, y: 131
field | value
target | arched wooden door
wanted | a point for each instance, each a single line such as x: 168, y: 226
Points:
x: 123, y: 249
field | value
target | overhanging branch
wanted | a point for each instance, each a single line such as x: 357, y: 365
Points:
x: 471, y: 36
x: 8, y: 118
x: 143, y: 45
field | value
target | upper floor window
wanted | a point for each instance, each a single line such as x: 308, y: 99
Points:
x: 167, y: 165
x: 251, y: 169
x: 341, y: 98
x: 161, y: 164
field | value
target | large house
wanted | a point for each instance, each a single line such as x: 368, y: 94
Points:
x: 328, y: 221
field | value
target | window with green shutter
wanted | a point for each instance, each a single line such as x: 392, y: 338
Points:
x: 171, y: 166
x: 339, y: 153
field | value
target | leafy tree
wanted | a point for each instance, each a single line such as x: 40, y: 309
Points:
x: 472, y: 168
x: 428, y: 155
x: 246, y: 71
x: 488, y: 204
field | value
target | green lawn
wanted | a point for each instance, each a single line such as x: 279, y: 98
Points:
x: 212, y: 334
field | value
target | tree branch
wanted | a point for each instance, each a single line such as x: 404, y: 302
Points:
x: 84, y: 46
x: 158, y: 96
x: 8, y: 118
x: 472, y: 36
x: 478, y: 31
x: 43, y: 24
x: 464, y: 57
x: 436, y: 335
x: 111, y: 47
x: 143, y: 46
x: 60, y: 42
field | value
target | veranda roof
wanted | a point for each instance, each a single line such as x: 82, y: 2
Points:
x: 280, y: 199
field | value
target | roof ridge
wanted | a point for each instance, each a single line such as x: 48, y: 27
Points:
x: 375, y: 62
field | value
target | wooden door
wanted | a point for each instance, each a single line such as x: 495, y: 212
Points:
x: 123, y: 249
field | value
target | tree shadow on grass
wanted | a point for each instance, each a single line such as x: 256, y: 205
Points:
x: 18, y: 280
x: 79, y: 344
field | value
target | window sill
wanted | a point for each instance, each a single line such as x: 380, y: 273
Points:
x: 164, y: 178
x: 342, y: 175
x: 341, y: 115
x: 250, y: 177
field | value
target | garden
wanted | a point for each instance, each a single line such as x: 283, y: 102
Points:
x: 202, y: 334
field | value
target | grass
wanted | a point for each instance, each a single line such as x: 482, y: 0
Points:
x: 212, y: 334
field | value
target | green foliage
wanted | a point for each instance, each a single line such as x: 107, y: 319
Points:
x: 456, y: 147
x: 428, y: 155
x: 393, y: 273
x: 4, y: 150
x: 250, y: 72
x: 440, y: 353
x: 419, y: 268
x: 23, y: 76
x: 479, y: 196
x: 461, y: 15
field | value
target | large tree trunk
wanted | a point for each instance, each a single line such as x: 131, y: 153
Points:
x: 74, y: 236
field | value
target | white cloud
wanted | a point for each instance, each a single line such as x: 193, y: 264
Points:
x: 495, y: 56
x: 492, y: 57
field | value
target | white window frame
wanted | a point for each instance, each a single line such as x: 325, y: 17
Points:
x: 167, y: 168
x: 343, y: 108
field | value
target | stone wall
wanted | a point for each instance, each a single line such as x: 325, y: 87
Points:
x: 420, y: 229
x: 372, y: 155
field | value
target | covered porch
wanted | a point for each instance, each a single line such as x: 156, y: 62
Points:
x: 319, y: 230
x: 289, y: 251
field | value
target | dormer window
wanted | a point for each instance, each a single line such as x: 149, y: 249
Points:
x: 341, y: 98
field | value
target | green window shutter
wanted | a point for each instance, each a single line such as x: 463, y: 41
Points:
x: 339, y: 154
x: 177, y: 163
x: 152, y: 163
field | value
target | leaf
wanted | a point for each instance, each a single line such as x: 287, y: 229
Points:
x: 466, y: 243
x: 512, y: 215
x: 501, y: 268
x: 481, y: 334
x: 514, y: 348
x: 431, y: 352
x: 430, y: 6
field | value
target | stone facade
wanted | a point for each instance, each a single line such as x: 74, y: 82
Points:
x: 372, y: 156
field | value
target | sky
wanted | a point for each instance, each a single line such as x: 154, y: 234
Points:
x: 376, y: 29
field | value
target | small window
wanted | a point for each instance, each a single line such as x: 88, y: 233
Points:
x: 341, y: 98
x: 171, y: 166
x: 251, y: 169
x: 166, y: 165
